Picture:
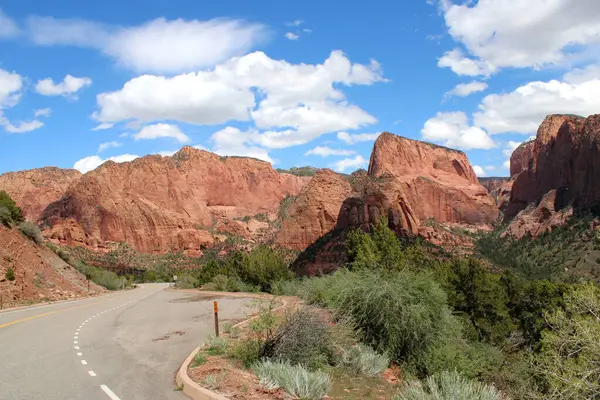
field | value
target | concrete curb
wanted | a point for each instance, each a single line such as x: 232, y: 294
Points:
x: 191, y: 388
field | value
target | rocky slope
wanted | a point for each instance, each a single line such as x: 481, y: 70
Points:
x: 563, y: 171
x: 39, y: 274
x: 499, y: 188
x: 34, y: 189
x: 159, y: 204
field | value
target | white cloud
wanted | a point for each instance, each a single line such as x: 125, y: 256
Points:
x: 297, y: 22
x: 490, y: 168
x: 510, y: 147
x: 453, y: 130
x: 10, y: 88
x: 461, y: 65
x: 92, y: 162
x: 296, y: 102
x: 350, y: 163
x: 233, y: 142
x: 506, y: 164
x: 8, y: 27
x: 465, y: 89
x: 167, y: 153
x: 522, y: 110
x: 103, y: 126
x: 159, y: 45
x: 20, y: 127
x: 292, y: 36
x: 42, y: 112
x: 161, y: 131
x: 108, y: 145
x: 523, y: 33
x: 68, y: 86
x: 325, y: 151
x: 582, y: 75
x: 478, y: 170
x: 307, y: 30
x: 358, y: 137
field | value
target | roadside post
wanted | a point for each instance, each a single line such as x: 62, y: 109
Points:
x: 216, y: 308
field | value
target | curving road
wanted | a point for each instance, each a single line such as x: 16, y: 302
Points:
x: 124, y: 345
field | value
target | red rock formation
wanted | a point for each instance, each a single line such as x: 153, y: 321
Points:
x: 34, y: 189
x: 159, y: 204
x: 315, y: 211
x: 519, y: 159
x: 565, y: 158
x: 413, y: 181
x: 499, y: 189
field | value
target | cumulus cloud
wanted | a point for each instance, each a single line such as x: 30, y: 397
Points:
x: 452, y: 129
x: 8, y: 27
x: 92, y: 162
x: 350, y: 163
x: 160, y: 45
x: 461, y: 65
x: 103, y: 126
x: 583, y: 75
x: 292, y: 36
x: 510, y: 147
x: 231, y: 141
x: 325, y: 151
x: 69, y: 86
x: 465, y: 89
x: 293, y: 103
x: 357, y: 137
x: 42, y: 112
x: 20, y: 127
x: 161, y: 131
x: 10, y: 88
x: 479, y: 171
x: 522, y: 110
x: 523, y: 33
x: 108, y: 145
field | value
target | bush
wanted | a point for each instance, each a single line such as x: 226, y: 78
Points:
x: 199, y: 359
x: 64, y: 255
x: 362, y: 360
x: 401, y: 314
x: 295, y: 380
x: 287, y: 288
x: 99, y: 276
x: 14, y: 214
x: 246, y: 351
x: 216, y: 345
x: 262, y: 267
x: 381, y: 249
x: 32, y: 231
x: 448, y: 386
x: 185, y: 281
x: 10, y: 274
x: 303, y: 338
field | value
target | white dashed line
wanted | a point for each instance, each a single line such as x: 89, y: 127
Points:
x: 76, y: 347
x: 79, y: 354
x: 75, y: 342
x: 109, y: 392
x: 92, y: 373
x: 84, y: 362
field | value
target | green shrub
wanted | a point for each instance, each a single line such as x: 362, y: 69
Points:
x: 64, y: 255
x: 199, y: 359
x: 294, y: 379
x: 321, y: 291
x: 262, y: 267
x: 401, y: 314
x: 448, y: 386
x: 362, y: 360
x: 213, y: 382
x: 10, y: 274
x: 32, y: 231
x: 302, y: 338
x: 216, y: 345
x: 6, y: 202
x: 99, y: 276
x: 186, y: 281
x: 380, y: 249
x: 247, y: 351
x: 287, y: 287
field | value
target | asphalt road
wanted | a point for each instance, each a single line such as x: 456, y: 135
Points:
x: 125, y: 345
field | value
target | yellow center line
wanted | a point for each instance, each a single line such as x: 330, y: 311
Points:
x: 49, y: 313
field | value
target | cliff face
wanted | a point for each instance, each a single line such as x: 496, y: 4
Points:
x: 412, y: 181
x: 564, y: 160
x: 499, y: 189
x: 315, y: 211
x: 159, y: 204
x: 34, y: 189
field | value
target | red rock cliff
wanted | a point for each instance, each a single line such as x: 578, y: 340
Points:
x: 159, y: 204
x: 412, y: 181
x: 565, y: 158
x: 34, y: 189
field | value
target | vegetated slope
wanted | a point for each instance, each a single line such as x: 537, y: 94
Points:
x: 561, y: 173
x: 32, y: 273
x: 160, y: 204
x: 566, y: 253
x: 34, y: 189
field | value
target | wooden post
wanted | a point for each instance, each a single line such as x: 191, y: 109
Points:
x: 1, y: 301
x: 216, y: 308
x: 88, y: 284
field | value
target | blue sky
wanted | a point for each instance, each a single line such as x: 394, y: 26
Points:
x: 295, y: 83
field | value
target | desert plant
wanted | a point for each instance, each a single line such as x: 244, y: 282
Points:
x: 5, y: 216
x: 287, y: 287
x: 294, y: 379
x: 213, y: 382
x: 362, y: 360
x: 264, y: 324
x: 247, y: 351
x: 199, y: 359
x: 302, y: 338
x: 448, y: 386
x: 10, y: 274
x: 185, y: 281
x: 32, y: 231
x: 216, y: 345
x: 6, y: 202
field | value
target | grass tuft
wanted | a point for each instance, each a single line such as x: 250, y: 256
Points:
x: 295, y: 380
